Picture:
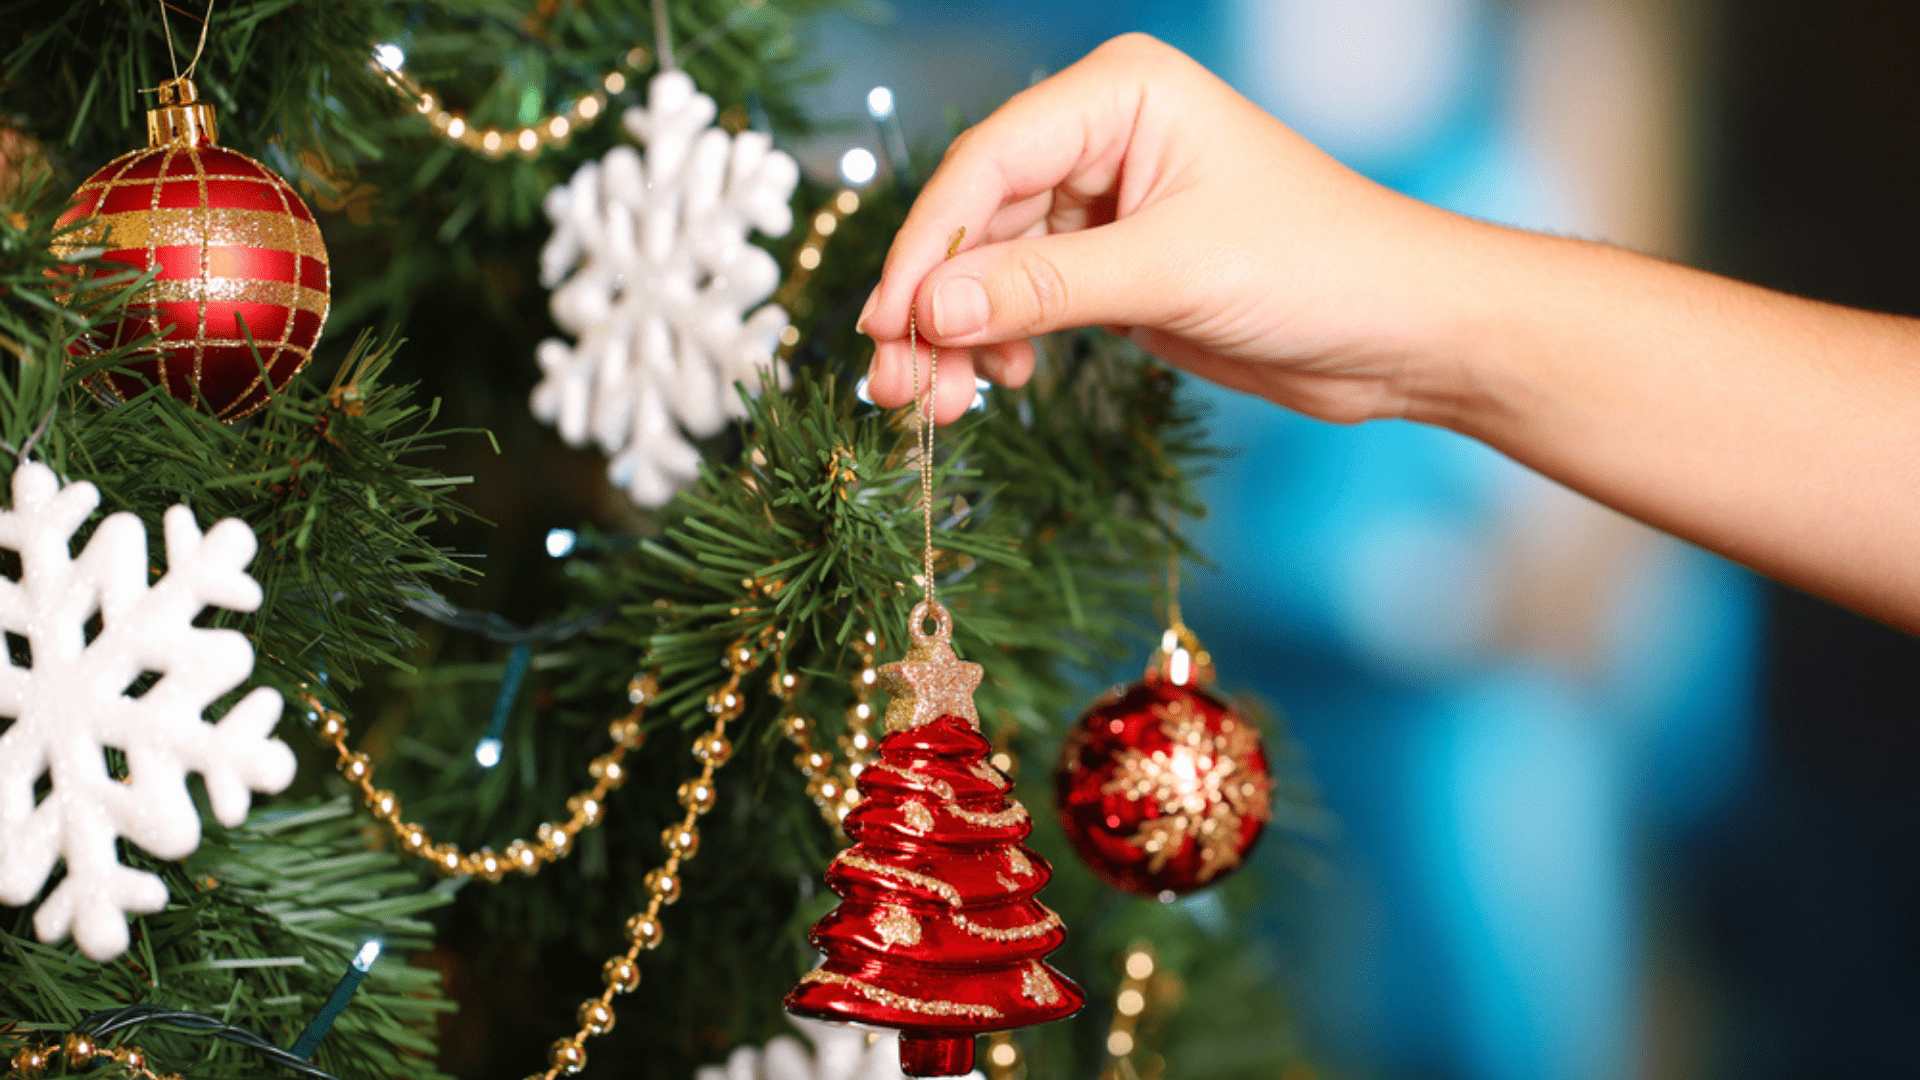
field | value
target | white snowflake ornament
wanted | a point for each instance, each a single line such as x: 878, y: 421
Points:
x: 840, y: 1052
x: 76, y: 697
x: 653, y: 275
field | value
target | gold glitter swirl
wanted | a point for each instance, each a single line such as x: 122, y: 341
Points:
x: 1017, y: 861
x: 918, y: 817
x: 1001, y: 819
x: 913, y: 877
x: 991, y: 775
x: 896, y: 925
x: 1038, y: 986
x: 952, y: 896
x: 1014, y: 814
x: 912, y: 1004
x: 910, y: 774
x: 1008, y: 933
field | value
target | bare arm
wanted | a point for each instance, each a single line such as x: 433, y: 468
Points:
x: 1136, y: 190
x: 1780, y: 432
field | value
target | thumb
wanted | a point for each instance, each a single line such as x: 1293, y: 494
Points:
x: 1016, y: 289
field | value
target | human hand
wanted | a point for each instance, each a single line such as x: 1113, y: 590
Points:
x: 1136, y: 190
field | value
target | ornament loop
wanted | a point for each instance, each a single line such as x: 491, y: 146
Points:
x: 943, y: 623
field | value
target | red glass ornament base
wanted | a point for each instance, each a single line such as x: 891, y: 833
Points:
x: 1163, y: 788
x: 924, y: 1053
x: 938, y: 933
x: 240, y: 285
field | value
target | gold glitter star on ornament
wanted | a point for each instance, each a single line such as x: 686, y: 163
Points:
x: 930, y: 681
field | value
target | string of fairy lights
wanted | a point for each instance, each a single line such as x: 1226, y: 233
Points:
x: 529, y: 140
x: 532, y: 138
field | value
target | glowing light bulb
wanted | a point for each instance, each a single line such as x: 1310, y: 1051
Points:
x: 487, y: 753
x: 389, y: 56
x: 880, y: 103
x: 367, y: 955
x: 858, y: 166
x: 1139, y: 965
x: 560, y: 542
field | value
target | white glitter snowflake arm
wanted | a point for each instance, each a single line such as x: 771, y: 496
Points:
x: 75, y: 699
x: 653, y: 274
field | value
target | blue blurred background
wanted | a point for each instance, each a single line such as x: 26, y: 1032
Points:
x: 1577, y: 837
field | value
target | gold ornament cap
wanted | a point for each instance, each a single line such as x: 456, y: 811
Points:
x: 181, y: 118
x: 930, y: 681
x: 1181, y: 659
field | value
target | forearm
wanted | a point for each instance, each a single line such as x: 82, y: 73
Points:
x: 1780, y: 432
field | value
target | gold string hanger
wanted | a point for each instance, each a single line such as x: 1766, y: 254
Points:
x: 930, y: 681
x: 166, y: 31
x: 1181, y: 658
x: 924, y: 440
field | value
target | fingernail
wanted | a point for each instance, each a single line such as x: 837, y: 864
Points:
x: 860, y: 324
x: 960, y: 308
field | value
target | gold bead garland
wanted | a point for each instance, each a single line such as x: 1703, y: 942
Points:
x: 553, y: 842
x: 528, y: 140
x: 622, y: 973
x: 81, y: 1053
x: 830, y: 782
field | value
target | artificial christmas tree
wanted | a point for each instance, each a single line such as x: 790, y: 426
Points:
x: 398, y: 659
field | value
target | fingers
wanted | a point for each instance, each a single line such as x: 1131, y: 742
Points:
x: 1010, y: 364
x: 1035, y: 285
x: 1072, y: 129
x: 993, y: 299
x: 891, y: 384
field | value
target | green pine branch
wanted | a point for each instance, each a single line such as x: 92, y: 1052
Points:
x: 262, y: 918
x: 262, y: 923
x: 326, y: 475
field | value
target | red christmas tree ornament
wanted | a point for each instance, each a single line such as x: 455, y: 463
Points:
x: 1163, y: 787
x: 938, y: 933
x: 239, y: 265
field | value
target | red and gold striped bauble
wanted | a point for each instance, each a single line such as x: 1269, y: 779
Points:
x: 240, y: 288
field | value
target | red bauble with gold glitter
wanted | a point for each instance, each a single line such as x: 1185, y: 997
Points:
x: 938, y: 932
x: 1163, y: 787
x: 240, y: 286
